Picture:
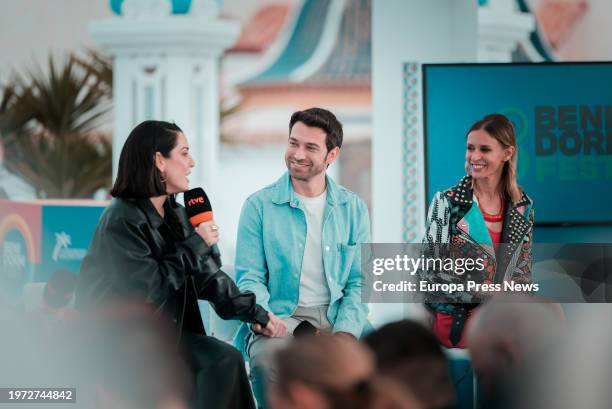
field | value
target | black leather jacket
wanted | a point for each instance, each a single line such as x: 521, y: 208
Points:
x: 137, y: 254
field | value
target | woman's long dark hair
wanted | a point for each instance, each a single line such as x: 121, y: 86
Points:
x: 137, y: 176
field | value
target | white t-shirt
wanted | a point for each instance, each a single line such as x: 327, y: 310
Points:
x: 313, y: 286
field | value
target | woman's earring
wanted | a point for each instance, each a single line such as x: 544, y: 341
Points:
x: 163, y: 177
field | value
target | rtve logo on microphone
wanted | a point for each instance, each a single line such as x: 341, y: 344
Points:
x: 195, y: 200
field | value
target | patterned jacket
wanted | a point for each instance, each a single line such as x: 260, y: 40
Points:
x: 455, y: 227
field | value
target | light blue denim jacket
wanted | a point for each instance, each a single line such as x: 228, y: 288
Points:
x: 270, y: 249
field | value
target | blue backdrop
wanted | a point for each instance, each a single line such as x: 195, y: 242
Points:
x: 563, y: 119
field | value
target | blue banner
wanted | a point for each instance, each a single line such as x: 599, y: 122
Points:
x: 66, y: 233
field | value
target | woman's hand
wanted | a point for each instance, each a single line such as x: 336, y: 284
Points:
x: 209, y: 232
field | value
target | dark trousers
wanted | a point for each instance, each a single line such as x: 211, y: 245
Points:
x: 219, y: 373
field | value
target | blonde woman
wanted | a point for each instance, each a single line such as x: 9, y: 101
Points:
x: 486, y: 216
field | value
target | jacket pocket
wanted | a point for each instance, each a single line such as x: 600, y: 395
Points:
x: 346, y: 256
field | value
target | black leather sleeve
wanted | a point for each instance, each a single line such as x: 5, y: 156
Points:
x: 220, y: 290
x: 227, y: 300
x: 156, y: 278
x: 129, y: 253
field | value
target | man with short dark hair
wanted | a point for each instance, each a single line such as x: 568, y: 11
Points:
x: 411, y: 354
x: 298, y: 245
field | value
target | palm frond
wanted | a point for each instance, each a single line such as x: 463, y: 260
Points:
x: 101, y: 67
x: 49, y: 122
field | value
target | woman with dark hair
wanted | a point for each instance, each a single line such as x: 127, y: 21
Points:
x: 485, y: 217
x: 145, y: 249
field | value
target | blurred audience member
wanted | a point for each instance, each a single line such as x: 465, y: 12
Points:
x: 58, y: 295
x: 57, y: 300
x: 409, y: 353
x: 126, y: 356
x: 506, y: 339
x: 577, y: 372
x: 326, y: 372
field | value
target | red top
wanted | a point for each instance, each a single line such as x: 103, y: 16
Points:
x: 495, y: 237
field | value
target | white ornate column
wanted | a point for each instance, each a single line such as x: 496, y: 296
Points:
x: 501, y: 26
x: 399, y: 204
x: 166, y: 67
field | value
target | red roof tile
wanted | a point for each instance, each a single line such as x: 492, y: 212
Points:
x: 556, y: 18
x: 261, y: 29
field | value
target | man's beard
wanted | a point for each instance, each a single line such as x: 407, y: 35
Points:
x: 307, y: 173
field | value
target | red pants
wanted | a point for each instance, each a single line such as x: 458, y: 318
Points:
x: 442, y: 326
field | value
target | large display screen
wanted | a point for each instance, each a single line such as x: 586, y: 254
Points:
x: 562, y: 114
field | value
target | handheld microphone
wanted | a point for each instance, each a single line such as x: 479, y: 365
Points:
x: 199, y: 210
x: 197, y: 206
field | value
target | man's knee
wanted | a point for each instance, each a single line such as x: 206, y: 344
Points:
x: 262, y: 354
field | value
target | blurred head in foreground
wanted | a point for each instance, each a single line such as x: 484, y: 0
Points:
x: 119, y: 357
x: 508, y: 334
x: 409, y: 353
x: 128, y: 358
x: 577, y: 372
x: 59, y: 290
x: 327, y: 372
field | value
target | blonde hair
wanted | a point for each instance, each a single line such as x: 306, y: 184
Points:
x: 501, y: 129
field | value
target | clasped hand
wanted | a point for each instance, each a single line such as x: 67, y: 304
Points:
x: 276, y: 328
x: 209, y: 232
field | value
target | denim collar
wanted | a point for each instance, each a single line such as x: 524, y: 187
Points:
x: 284, y: 192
